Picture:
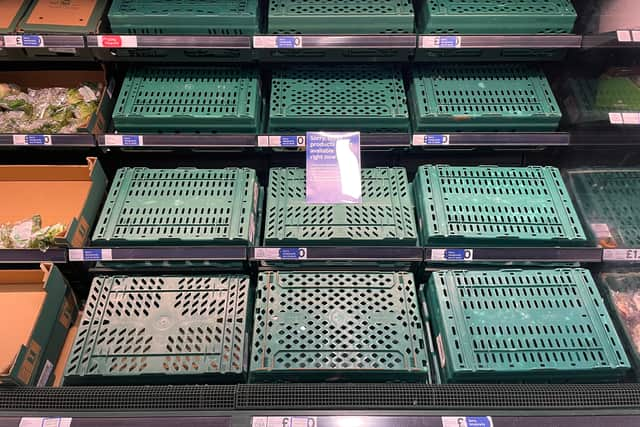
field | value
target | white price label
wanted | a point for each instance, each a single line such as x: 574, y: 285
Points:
x: 29, y: 40
x: 277, y: 42
x: 441, y: 354
x: 431, y: 140
x: 291, y: 141
x: 452, y: 254
x: 297, y: 421
x: 624, y: 36
x: 45, y: 422
x: 45, y: 374
x: 631, y: 118
x: 635, y: 35
x: 630, y: 255
x: 440, y: 42
x: 464, y: 421
x: 123, y: 140
x: 32, y: 140
x: 616, y: 119
x: 90, y: 254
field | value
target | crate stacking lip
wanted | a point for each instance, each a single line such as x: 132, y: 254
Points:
x: 343, y: 17
x: 611, y: 197
x: 178, y: 99
x: 168, y: 329
x: 179, y: 206
x: 226, y: 17
x: 492, y: 205
x: 342, y: 326
x: 523, y: 326
x: 482, y: 97
x: 338, y: 97
x: 498, y: 17
x: 386, y: 215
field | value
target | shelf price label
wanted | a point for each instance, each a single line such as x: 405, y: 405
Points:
x: 277, y: 42
x: 451, y: 254
x: 32, y: 140
x: 45, y: 422
x: 297, y: 421
x: 285, y: 141
x: 274, y: 254
x: 434, y: 139
x: 27, y: 40
x: 440, y: 42
x: 113, y: 41
x: 467, y: 421
x: 629, y: 118
x: 628, y: 255
x: 123, y: 140
x: 90, y: 254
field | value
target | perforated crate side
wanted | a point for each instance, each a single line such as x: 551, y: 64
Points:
x: 181, y: 99
x: 523, y: 325
x: 227, y: 17
x: 342, y: 326
x: 386, y: 215
x: 344, y: 17
x: 497, y: 17
x: 167, y: 206
x: 482, y: 97
x: 167, y: 329
x: 321, y: 97
x: 495, y: 205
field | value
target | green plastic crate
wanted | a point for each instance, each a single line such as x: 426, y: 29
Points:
x: 162, y: 329
x: 174, y: 99
x: 385, y: 217
x: 523, y: 326
x: 482, y: 97
x: 342, y: 326
x: 338, y: 97
x: 179, y: 206
x: 341, y: 17
x: 609, y: 202
x: 226, y: 17
x: 620, y: 285
x: 497, y: 17
x: 494, y: 205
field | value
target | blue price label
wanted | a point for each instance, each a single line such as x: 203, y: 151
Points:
x: 291, y: 141
x: 448, y: 42
x: 455, y: 254
x: 31, y: 41
x: 92, y: 254
x: 436, y: 139
x: 36, y: 139
x: 479, y: 422
x: 288, y: 42
x: 292, y: 253
x: 130, y: 140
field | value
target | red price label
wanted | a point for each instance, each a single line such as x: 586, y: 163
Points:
x: 110, y: 41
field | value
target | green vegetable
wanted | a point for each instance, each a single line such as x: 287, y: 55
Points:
x: 20, y: 105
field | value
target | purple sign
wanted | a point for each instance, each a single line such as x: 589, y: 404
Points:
x: 333, y: 167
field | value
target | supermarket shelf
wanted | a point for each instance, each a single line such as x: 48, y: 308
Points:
x: 79, y: 140
x: 160, y: 253
x: 336, y: 253
x: 507, y: 254
x: 254, y: 398
x: 613, y: 39
x: 178, y: 140
x: 367, y: 140
x: 38, y: 41
x: 386, y: 41
x: 484, y: 139
x: 111, y: 41
x: 32, y: 256
x: 453, y: 41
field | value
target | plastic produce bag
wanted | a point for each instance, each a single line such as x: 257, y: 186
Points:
x: 28, y: 234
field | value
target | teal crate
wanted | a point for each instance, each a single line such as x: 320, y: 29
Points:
x: 202, y: 17
x: 482, y: 97
x: 173, y: 99
x: 179, y: 207
x: 523, y: 326
x: 338, y: 97
x: 621, y: 291
x: 341, y: 17
x: 162, y: 329
x: 609, y: 202
x: 491, y: 205
x: 497, y: 17
x: 342, y: 326
x: 385, y: 217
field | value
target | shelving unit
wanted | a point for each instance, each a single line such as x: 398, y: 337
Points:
x: 485, y: 161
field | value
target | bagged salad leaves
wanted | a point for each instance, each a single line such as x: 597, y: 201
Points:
x: 47, y: 111
x: 28, y: 234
